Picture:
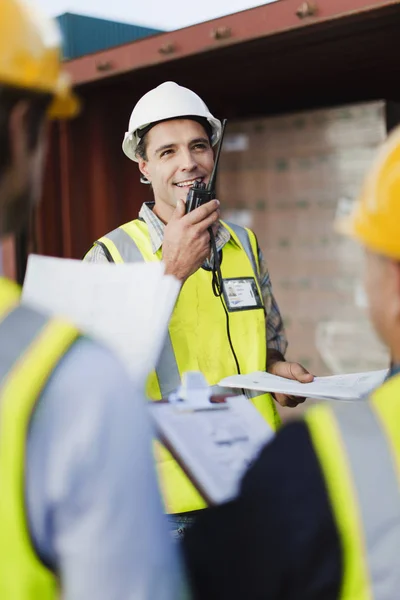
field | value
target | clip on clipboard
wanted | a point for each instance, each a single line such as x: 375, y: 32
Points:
x: 214, y: 440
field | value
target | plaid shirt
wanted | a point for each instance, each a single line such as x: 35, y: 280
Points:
x: 276, y: 337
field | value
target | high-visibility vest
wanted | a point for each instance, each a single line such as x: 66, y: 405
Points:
x: 197, y: 337
x: 31, y: 345
x: 358, y: 447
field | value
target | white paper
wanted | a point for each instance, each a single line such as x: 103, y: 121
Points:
x: 354, y: 386
x: 127, y: 306
x: 214, y: 446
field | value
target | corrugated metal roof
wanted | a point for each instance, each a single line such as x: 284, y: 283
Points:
x: 84, y: 35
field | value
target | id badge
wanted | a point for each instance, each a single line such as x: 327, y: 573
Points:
x: 241, y: 294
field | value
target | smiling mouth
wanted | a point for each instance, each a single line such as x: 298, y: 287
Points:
x: 189, y: 182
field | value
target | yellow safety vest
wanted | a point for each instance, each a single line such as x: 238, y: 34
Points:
x: 197, y: 338
x: 31, y: 346
x: 358, y: 447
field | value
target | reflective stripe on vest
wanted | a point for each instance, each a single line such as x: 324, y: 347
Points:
x: 129, y: 251
x: 371, y: 550
x: 17, y: 331
x: 379, y: 502
x: 31, y: 346
x: 167, y: 369
x: 125, y: 245
x: 243, y: 237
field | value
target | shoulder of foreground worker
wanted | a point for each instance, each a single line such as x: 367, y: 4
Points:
x: 88, y: 405
x: 90, y: 387
x: 89, y: 365
x: 89, y: 382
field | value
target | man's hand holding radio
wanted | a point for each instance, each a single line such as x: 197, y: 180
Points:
x: 186, y: 243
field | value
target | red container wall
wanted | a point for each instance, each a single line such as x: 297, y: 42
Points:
x: 8, y: 257
x: 90, y: 186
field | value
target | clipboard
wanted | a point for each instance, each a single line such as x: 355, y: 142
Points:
x: 214, y: 439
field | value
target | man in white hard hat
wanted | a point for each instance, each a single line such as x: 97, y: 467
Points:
x: 171, y: 136
x: 76, y: 468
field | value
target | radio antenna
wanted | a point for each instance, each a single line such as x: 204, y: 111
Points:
x: 211, y: 183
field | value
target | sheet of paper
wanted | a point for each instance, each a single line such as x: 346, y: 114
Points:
x: 127, y: 306
x: 354, y: 386
x: 214, y: 447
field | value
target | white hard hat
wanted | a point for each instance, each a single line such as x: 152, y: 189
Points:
x: 167, y: 101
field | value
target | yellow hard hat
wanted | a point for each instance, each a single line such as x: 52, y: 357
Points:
x: 30, y: 56
x: 375, y: 221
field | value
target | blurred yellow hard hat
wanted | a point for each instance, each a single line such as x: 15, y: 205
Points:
x: 375, y: 221
x: 30, y: 56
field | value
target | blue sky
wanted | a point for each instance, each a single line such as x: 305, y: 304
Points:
x: 170, y: 14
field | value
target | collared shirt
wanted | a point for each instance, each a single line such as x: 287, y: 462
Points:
x: 394, y: 370
x: 276, y: 336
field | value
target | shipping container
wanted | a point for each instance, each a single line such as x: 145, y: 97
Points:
x: 269, y: 60
x: 287, y: 178
x: 84, y: 35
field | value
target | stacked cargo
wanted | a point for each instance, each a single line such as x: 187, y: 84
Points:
x: 287, y: 177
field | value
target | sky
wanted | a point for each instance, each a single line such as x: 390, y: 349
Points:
x: 161, y: 14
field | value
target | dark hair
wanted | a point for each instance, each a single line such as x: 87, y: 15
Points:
x: 141, y: 148
x: 38, y: 105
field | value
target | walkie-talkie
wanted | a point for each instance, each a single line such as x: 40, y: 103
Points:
x: 200, y: 193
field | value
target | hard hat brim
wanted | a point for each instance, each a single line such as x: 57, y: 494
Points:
x: 353, y: 228
x: 66, y: 106
x: 130, y: 141
x: 349, y: 226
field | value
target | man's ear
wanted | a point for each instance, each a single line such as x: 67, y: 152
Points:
x: 144, y: 170
x: 18, y: 132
